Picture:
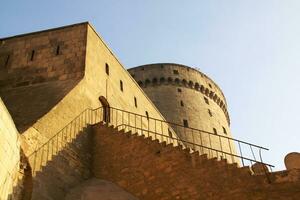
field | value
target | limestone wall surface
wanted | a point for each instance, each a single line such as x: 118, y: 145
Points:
x: 9, y: 152
x: 72, y: 97
x: 37, y: 70
x: 182, y: 93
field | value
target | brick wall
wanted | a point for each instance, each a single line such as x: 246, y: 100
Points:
x: 151, y: 170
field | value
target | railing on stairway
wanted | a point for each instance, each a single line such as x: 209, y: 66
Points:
x: 203, y: 141
x: 63, y: 137
x: 214, y: 145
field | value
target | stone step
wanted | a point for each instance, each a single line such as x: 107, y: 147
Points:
x: 197, y: 158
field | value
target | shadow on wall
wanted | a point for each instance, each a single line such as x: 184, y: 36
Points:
x: 59, y: 170
x: 34, y: 101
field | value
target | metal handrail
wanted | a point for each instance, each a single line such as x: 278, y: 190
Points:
x: 91, y: 112
x: 91, y: 118
x: 191, y: 128
x: 188, y: 142
x: 243, y: 155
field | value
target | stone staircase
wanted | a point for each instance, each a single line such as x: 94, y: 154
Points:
x: 58, y: 170
x: 150, y: 169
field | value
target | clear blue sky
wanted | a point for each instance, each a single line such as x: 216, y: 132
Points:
x: 251, y: 48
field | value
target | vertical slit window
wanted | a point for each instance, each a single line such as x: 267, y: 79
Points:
x: 147, y: 115
x: 170, y: 133
x: 224, y: 130
x: 135, y: 102
x: 32, y: 55
x: 185, y: 123
x: 107, y: 68
x: 58, y: 50
x: 181, y: 103
x: 121, y: 85
x: 215, y: 131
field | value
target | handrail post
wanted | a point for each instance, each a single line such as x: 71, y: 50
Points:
x: 221, y: 145
x: 232, y: 158
x: 201, y: 142
x: 142, y: 125
x: 155, y: 128
x: 241, y: 153
x: 210, y: 150
x: 135, y: 124
x: 162, y: 129
x: 266, y: 173
x: 193, y: 140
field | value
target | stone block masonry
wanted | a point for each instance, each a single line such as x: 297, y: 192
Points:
x: 42, y: 57
x: 152, y: 170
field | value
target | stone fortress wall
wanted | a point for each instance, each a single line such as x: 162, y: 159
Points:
x: 188, y: 97
x: 48, y: 78
x: 31, y: 65
x: 9, y: 152
x: 45, y: 90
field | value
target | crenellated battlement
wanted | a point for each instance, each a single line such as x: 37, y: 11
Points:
x: 221, y: 102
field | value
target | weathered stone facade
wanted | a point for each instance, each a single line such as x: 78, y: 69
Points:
x: 9, y: 153
x: 57, y: 83
x: 182, y: 93
x: 156, y: 170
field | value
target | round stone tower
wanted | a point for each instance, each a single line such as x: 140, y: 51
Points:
x: 189, y: 98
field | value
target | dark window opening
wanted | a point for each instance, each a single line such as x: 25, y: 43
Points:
x: 147, y: 115
x: 178, y: 89
x: 206, y: 100
x: 224, y: 130
x: 215, y: 131
x: 181, y: 103
x: 210, y: 113
x: 162, y: 80
x: 121, y: 85
x: 185, y: 123
x: 170, y: 133
x: 154, y: 81
x: 135, y: 102
x: 175, y: 71
x: 32, y: 55
x: 107, y: 68
x: 209, y: 85
x: 58, y: 50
